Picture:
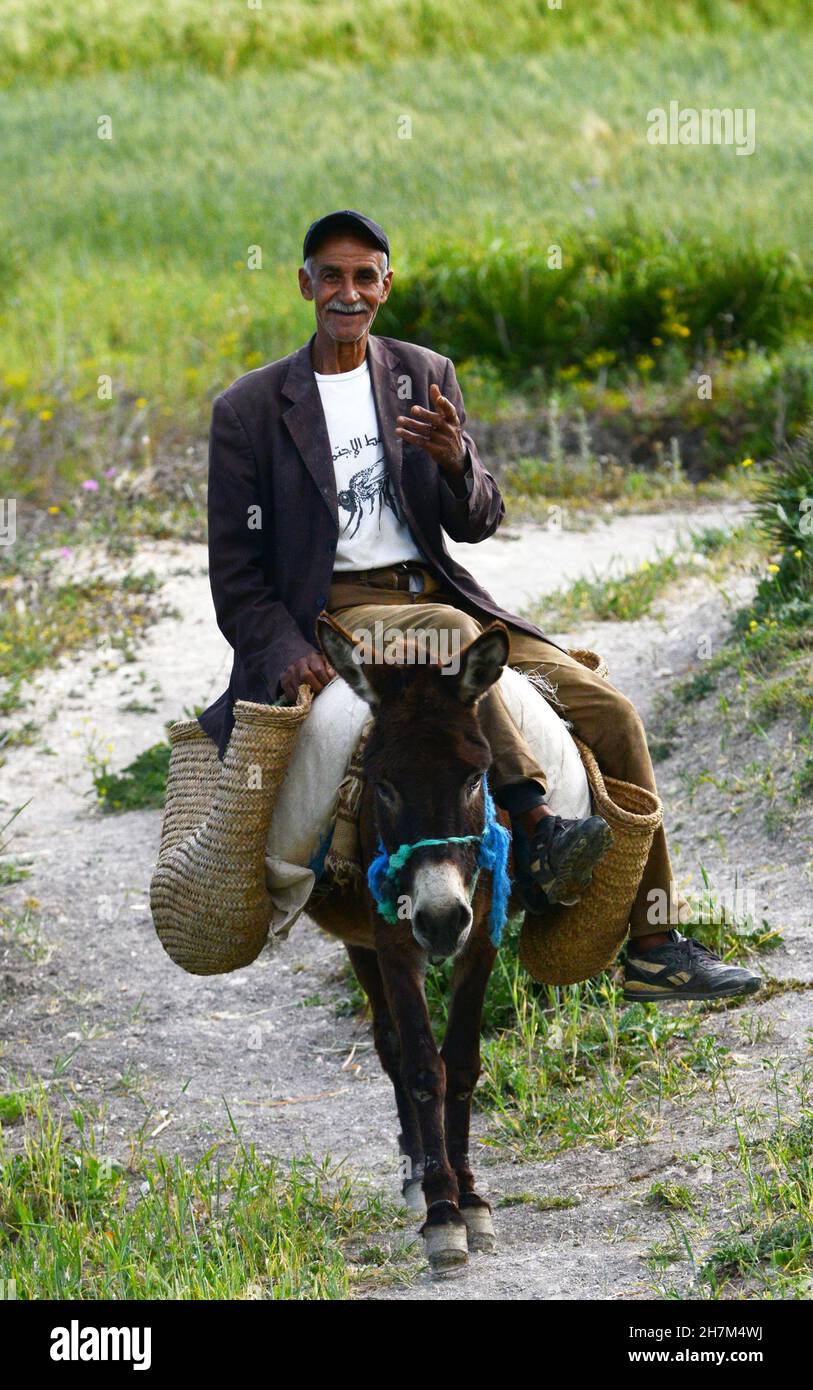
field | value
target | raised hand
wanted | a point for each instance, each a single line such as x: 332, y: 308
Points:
x: 437, y: 431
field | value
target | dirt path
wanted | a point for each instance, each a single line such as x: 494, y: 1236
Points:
x: 161, y: 1052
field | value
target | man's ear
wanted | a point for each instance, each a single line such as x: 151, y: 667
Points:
x: 482, y: 662
x: 343, y: 653
x: 305, y: 283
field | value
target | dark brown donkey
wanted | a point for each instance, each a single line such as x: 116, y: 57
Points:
x: 424, y: 766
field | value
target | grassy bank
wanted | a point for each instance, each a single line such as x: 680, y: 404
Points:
x: 760, y: 680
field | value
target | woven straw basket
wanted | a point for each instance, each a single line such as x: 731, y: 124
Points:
x: 570, y: 944
x: 592, y: 659
x: 208, y: 896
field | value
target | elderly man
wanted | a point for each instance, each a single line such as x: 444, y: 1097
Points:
x: 333, y: 475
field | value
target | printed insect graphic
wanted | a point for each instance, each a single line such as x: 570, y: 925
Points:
x: 368, y: 485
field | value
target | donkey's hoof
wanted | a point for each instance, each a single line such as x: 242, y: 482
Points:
x: 444, y: 1238
x: 414, y: 1200
x: 479, y: 1226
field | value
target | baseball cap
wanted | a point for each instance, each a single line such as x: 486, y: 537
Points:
x: 334, y: 221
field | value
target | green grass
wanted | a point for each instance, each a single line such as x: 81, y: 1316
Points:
x: 40, y: 36
x: 624, y: 599
x: 584, y: 1067
x: 564, y: 1067
x: 77, y: 1224
x: 21, y: 932
x: 572, y: 1066
x: 12, y: 1107
x: 632, y: 594
x: 538, y: 1203
x: 128, y: 257
x: 141, y: 785
x: 670, y: 1196
x: 766, y: 1250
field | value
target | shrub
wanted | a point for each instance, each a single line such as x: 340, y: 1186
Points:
x: 618, y: 296
x: 785, y: 516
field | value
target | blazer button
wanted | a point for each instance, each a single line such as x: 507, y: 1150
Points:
x: 321, y: 601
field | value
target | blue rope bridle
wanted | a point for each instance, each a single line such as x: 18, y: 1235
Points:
x: 492, y: 855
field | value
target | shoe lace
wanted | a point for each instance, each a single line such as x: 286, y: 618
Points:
x: 697, y: 948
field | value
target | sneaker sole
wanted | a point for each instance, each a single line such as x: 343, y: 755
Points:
x: 576, y: 872
x: 667, y: 995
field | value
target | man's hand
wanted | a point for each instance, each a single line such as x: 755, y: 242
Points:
x: 437, y: 431
x: 313, y: 670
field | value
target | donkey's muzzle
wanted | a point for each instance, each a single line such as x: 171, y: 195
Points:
x: 442, y: 931
x: 441, y: 915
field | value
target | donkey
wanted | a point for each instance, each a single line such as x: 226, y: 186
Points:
x: 425, y: 766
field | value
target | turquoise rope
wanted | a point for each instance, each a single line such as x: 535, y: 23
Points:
x: 494, y: 841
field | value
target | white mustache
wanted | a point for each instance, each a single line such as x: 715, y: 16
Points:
x: 339, y: 308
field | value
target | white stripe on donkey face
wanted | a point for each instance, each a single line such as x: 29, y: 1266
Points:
x: 441, y: 915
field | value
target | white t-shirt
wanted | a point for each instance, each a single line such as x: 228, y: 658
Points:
x: 372, y: 529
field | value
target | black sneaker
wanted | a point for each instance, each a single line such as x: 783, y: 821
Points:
x: 683, y: 969
x: 557, y: 864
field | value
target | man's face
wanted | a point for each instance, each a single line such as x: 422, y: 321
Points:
x: 347, y: 287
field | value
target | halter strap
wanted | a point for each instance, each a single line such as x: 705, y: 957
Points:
x: 493, y: 842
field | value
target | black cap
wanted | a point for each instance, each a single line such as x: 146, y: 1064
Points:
x: 334, y: 221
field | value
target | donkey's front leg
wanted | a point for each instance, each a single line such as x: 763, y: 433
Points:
x: 461, y: 1055
x: 424, y: 1074
x: 388, y: 1047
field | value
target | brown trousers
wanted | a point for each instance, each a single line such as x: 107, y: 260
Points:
x: 600, y: 715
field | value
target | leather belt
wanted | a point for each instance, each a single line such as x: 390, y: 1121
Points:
x: 386, y: 577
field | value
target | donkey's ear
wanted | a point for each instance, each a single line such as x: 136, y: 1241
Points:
x: 482, y: 662
x: 344, y: 653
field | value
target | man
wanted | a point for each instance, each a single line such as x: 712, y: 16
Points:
x: 333, y: 474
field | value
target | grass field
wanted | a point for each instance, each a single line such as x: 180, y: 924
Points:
x: 127, y: 257
x: 42, y: 36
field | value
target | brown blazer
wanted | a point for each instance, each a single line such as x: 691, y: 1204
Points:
x: 274, y: 519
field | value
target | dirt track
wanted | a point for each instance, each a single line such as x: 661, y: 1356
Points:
x: 160, y: 1050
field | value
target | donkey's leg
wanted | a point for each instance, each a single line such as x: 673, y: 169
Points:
x: 444, y: 1230
x: 385, y: 1036
x: 461, y: 1054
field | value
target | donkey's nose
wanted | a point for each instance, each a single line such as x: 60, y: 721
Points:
x: 441, y: 931
x: 441, y: 916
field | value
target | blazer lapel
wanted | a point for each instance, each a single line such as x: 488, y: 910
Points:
x: 384, y: 378
x: 305, y: 420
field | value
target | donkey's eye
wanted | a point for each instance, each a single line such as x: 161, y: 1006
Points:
x: 473, y: 785
x: 386, y: 793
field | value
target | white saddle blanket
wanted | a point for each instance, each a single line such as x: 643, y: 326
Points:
x: 306, y: 806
